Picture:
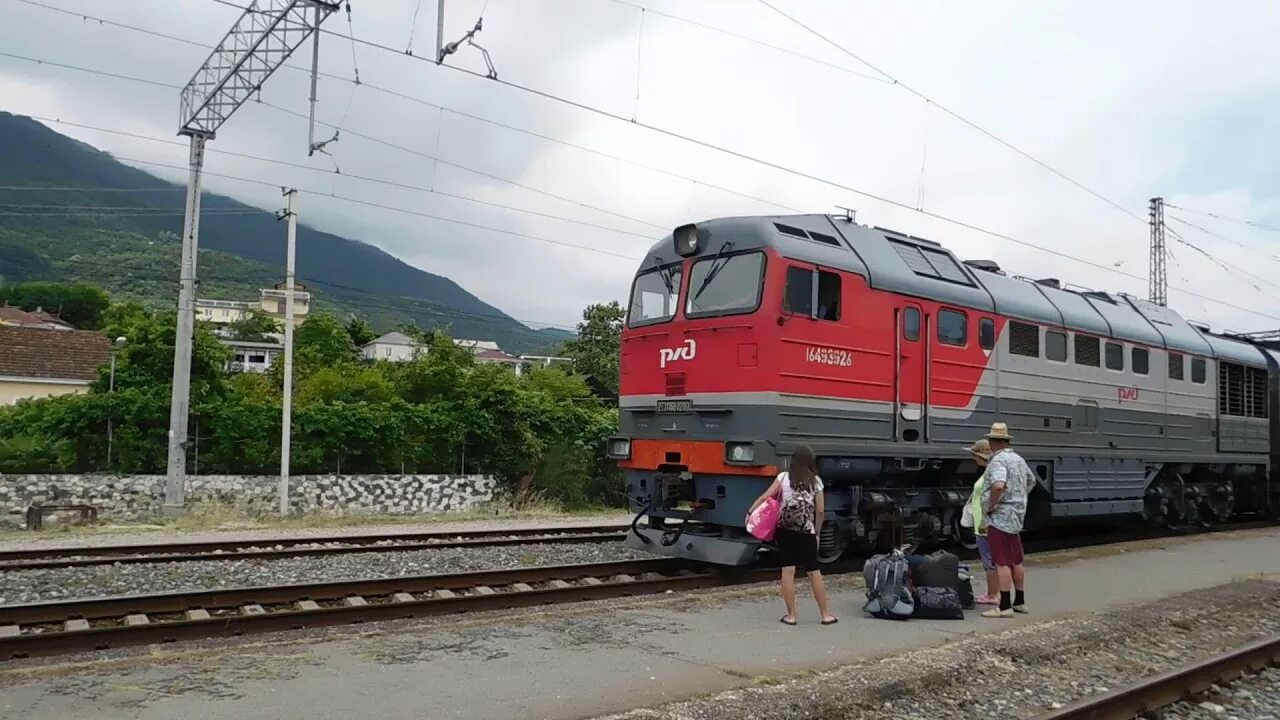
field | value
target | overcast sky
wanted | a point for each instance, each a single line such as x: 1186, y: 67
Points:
x: 1131, y: 99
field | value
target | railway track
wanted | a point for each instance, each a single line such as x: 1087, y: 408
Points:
x: 1159, y: 691
x: 68, y: 626
x: 45, y: 558
x: 43, y: 629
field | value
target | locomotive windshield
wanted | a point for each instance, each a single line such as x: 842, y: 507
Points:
x: 655, y: 296
x: 725, y: 285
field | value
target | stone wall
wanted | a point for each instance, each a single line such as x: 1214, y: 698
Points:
x: 139, y: 497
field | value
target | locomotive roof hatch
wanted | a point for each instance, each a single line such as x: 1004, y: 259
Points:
x: 987, y: 265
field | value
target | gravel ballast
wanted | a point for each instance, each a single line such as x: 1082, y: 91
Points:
x: 26, y: 586
x: 1023, y: 671
x: 1256, y: 697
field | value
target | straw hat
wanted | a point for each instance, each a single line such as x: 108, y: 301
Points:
x: 999, y: 431
x: 981, y: 449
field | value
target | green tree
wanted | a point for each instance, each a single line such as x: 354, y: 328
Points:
x: 322, y: 341
x: 255, y: 327
x: 79, y: 304
x: 597, y: 349
x: 346, y: 385
x: 360, y: 332
x: 146, y: 360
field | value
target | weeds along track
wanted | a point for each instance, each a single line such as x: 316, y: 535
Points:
x: 266, y: 549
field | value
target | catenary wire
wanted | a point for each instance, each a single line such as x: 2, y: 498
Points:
x: 752, y: 40
x: 953, y: 113
x: 356, y: 83
x: 376, y: 301
x: 711, y: 146
x: 1227, y: 218
x: 352, y: 176
x: 463, y: 114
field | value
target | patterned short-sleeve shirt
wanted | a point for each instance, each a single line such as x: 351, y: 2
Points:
x: 1009, y: 468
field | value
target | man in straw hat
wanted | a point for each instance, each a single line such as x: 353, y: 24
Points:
x: 1004, y: 506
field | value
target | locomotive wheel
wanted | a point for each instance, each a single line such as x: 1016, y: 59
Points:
x: 832, y: 543
x: 1217, y: 503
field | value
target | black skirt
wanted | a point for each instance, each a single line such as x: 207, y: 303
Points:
x: 798, y: 549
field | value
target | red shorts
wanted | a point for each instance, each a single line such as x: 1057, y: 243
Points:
x: 1006, y: 548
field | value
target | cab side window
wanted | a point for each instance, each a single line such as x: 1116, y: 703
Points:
x: 811, y: 292
x: 953, y: 328
x: 911, y: 324
x: 798, y: 297
x: 828, y: 296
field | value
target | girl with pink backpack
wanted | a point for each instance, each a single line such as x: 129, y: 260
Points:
x: 790, y: 514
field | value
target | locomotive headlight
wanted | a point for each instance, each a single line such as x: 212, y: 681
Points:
x: 619, y: 448
x: 685, y: 238
x: 740, y: 452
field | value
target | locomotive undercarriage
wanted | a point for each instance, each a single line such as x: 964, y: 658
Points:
x: 1186, y: 497
x: 922, y: 504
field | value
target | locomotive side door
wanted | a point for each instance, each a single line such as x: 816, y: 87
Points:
x: 911, y: 400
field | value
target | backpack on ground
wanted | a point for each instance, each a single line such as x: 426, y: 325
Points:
x: 937, y: 587
x: 937, y: 603
x: 889, y: 591
x: 940, y: 569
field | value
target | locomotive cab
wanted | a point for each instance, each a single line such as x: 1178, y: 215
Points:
x: 700, y: 434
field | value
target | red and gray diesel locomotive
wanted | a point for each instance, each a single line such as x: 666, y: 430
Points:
x: 746, y: 337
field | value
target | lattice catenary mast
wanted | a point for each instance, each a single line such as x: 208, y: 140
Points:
x: 264, y: 36
x: 1159, y: 280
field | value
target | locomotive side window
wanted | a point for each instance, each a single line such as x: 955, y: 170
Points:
x: 655, y: 296
x: 799, y: 294
x: 1055, y: 345
x: 1197, y: 371
x: 1088, y: 351
x: 986, y: 333
x: 953, y: 328
x: 1175, y: 366
x: 1024, y: 339
x: 725, y: 285
x: 1141, y: 361
x: 1115, y: 356
x: 828, y: 296
x: 911, y: 324
x: 803, y: 298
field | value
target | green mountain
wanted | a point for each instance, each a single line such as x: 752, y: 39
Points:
x: 46, y: 234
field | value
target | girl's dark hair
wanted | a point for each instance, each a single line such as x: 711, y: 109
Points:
x: 803, y: 468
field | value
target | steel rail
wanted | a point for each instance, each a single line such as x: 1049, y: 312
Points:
x: 269, y: 548
x: 1159, y: 691
x: 84, y: 625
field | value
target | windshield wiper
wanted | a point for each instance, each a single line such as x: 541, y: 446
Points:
x: 716, y: 266
x: 664, y: 272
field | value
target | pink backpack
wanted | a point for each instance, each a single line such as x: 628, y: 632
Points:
x: 764, y: 521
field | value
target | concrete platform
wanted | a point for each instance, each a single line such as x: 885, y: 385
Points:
x: 575, y: 662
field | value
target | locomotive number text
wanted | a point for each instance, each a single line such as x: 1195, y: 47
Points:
x: 1126, y: 394
x: 829, y: 356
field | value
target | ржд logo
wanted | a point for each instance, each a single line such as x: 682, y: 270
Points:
x: 681, y: 352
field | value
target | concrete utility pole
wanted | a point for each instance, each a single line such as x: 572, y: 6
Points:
x: 440, y: 33
x: 1159, y: 282
x: 262, y: 39
x: 287, y: 405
